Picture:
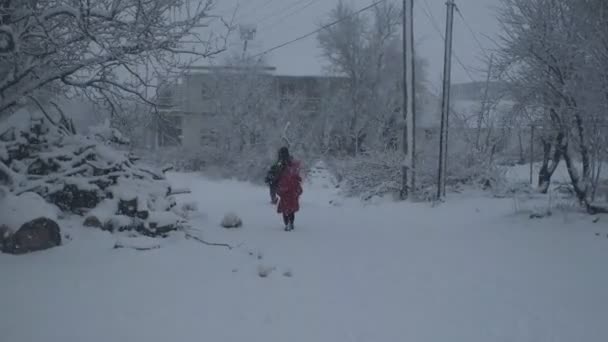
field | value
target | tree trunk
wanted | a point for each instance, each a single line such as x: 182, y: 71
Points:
x: 549, y: 164
x: 522, y: 159
x: 585, y: 154
x: 595, y: 181
x: 579, y: 189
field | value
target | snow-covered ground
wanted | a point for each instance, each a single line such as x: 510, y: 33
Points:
x: 473, y: 269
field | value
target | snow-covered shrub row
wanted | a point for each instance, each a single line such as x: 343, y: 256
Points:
x: 84, y: 175
x: 249, y: 165
x: 380, y: 173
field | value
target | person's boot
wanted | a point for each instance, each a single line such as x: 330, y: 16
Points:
x: 290, y: 226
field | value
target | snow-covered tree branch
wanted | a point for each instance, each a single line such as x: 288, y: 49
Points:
x: 555, y: 53
x: 92, y: 45
x: 366, y: 50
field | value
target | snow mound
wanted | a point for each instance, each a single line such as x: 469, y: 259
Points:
x: 231, y: 220
x: 264, y: 270
x: 17, y: 210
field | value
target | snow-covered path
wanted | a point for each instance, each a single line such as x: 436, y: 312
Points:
x: 469, y: 270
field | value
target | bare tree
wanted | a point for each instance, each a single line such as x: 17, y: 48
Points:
x: 553, y: 49
x: 95, y: 48
x: 91, y: 45
x: 355, y: 47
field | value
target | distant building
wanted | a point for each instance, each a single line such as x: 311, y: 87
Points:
x: 467, y: 100
x: 188, y: 106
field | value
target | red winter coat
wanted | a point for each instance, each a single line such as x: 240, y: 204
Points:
x: 289, y: 189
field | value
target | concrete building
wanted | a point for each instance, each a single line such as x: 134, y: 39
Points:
x: 188, y: 105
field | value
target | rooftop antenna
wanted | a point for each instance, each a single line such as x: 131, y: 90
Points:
x: 248, y: 33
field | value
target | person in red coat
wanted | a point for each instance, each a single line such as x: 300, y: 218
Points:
x: 289, y: 188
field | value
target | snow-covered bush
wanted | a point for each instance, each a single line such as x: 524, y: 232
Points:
x: 369, y: 175
x: 86, y: 175
x: 379, y: 173
x: 248, y: 165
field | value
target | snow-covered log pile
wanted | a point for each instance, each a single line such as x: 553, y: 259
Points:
x: 86, y: 176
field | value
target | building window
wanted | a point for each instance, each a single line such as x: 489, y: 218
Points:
x: 205, y: 92
x: 209, y: 137
x: 170, y: 130
x: 288, y: 90
x: 312, y: 104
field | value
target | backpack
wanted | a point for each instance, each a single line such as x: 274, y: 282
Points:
x: 273, y: 173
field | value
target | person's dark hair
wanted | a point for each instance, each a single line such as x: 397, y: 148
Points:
x: 284, y: 154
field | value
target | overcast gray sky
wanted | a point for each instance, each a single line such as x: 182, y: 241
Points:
x: 278, y: 21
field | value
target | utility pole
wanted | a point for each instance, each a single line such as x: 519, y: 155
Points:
x: 445, y: 102
x: 409, y: 102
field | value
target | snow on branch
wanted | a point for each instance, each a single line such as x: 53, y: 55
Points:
x: 53, y: 12
x: 7, y: 40
x: 89, y: 45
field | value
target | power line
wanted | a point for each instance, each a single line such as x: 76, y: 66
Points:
x: 431, y: 17
x: 319, y: 29
x: 281, y: 11
x: 427, y: 11
x: 264, y: 5
x: 471, y: 31
x: 429, y: 14
x: 487, y: 54
x: 235, y: 10
x: 308, y: 4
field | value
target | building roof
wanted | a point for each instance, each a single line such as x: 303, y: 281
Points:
x: 209, y: 68
x: 203, y: 69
